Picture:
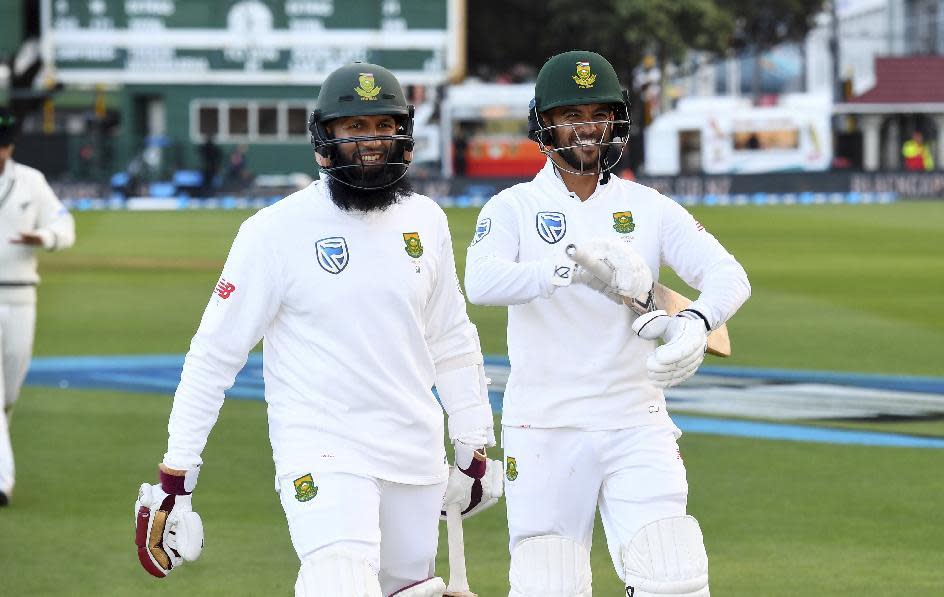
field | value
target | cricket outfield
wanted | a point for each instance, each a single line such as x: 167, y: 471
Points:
x: 836, y: 289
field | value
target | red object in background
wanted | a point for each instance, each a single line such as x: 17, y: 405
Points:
x: 502, y: 157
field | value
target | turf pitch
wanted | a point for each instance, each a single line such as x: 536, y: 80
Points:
x: 850, y: 288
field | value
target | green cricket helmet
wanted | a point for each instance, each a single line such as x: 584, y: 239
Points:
x: 363, y: 89
x: 579, y: 78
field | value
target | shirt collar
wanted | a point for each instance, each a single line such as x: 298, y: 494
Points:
x: 550, y: 179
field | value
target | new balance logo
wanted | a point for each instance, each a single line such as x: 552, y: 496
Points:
x: 224, y: 289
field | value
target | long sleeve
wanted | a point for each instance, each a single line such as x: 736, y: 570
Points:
x: 244, y: 302
x: 454, y: 345
x: 54, y: 222
x: 493, y: 276
x: 703, y: 263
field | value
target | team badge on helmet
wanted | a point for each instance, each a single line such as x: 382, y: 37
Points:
x: 368, y: 89
x: 305, y: 488
x: 551, y: 225
x: 414, y: 246
x: 481, y: 230
x: 584, y: 78
x: 511, y: 468
x: 623, y: 222
x: 332, y: 254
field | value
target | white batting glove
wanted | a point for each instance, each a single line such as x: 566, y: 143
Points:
x: 610, y: 265
x: 167, y: 530
x: 475, y: 482
x: 685, y: 337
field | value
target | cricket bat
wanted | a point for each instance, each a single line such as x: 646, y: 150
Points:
x: 458, y: 579
x: 663, y: 297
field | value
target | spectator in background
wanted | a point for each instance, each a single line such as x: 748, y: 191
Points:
x: 917, y: 155
x: 211, y: 156
x: 31, y: 217
x: 237, y: 175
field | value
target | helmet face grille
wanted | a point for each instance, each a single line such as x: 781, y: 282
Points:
x: 360, y: 176
x: 611, y: 143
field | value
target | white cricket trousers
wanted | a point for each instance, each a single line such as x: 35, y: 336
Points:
x: 556, y: 479
x: 17, y: 323
x: 394, y: 526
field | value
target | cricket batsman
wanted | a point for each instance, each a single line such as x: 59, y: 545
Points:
x: 31, y: 218
x: 585, y: 423
x: 351, y: 284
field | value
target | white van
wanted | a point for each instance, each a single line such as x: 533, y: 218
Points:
x: 729, y: 135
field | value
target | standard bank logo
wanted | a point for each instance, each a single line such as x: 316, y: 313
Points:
x: 551, y: 226
x: 481, y: 230
x: 332, y: 254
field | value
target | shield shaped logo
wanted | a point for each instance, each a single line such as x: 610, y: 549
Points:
x: 511, y: 468
x: 305, y: 488
x: 551, y: 225
x: 332, y: 254
x: 623, y: 222
x: 368, y: 89
x: 414, y: 246
x: 584, y: 78
x: 481, y: 230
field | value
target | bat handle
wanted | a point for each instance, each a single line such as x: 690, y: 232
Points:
x: 458, y: 579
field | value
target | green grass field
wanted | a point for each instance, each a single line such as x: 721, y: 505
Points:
x: 835, y: 288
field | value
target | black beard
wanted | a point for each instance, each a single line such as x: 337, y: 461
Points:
x: 348, y: 198
x: 570, y: 156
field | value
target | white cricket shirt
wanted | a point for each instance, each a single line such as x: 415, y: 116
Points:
x: 356, y: 310
x: 28, y: 204
x: 575, y: 361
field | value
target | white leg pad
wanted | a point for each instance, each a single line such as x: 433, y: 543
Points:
x: 431, y: 587
x: 667, y: 558
x: 550, y: 566
x: 336, y: 572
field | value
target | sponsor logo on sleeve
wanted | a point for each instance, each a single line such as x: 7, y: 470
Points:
x: 332, y: 254
x: 225, y: 288
x: 305, y: 488
x: 481, y: 230
x: 551, y: 225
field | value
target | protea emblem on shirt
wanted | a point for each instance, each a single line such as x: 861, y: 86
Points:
x: 305, y: 488
x: 584, y: 79
x: 511, y: 468
x: 551, y: 226
x: 368, y: 89
x: 332, y: 254
x: 481, y: 230
x: 623, y: 222
x: 414, y: 246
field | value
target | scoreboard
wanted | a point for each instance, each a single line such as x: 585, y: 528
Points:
x: 250, y: 42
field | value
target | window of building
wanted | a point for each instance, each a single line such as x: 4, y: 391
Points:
x: 208, y: 120
x: 268, y: 121
x: 235, y: 121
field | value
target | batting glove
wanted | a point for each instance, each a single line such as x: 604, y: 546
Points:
x: 611, y: 266
x: 167, y: 530
x: 685, y: 337
x: 475, y: 482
